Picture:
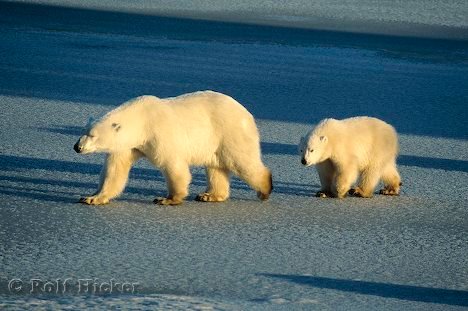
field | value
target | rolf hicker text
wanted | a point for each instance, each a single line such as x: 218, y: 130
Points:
x: 72, y: 286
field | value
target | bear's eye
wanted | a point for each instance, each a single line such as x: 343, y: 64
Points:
x: 116, y: 126
x: 311, y: 150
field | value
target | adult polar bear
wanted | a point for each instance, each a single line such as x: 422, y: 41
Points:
x: 345, y: 150
x: 198, y: 129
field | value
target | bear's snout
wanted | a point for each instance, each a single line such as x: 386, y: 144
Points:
x: 303, y: 161
x: 77, y: 148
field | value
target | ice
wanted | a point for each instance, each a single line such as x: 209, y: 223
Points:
x: 62, y: 65
x: 413, y: 17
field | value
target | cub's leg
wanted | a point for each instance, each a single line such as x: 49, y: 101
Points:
x: 178, y: 179
x: 218, y: 185
x: 326, y: 172
x: 368, y: 181
x: 114, y: 177
x: 345, y: 176
x: 391, y: 179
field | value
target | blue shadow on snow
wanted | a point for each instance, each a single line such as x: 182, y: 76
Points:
x: 386, y: 290
x: 15, y: 163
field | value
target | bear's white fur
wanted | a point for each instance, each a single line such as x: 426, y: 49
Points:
x: 198, y: 129
x: 359, y: 148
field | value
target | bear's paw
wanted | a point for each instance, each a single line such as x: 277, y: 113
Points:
x: 166, y: 201
x: 389, y: 191
x: 357, y: 192
x: 94, y: 200
x: 210, y: 197
x: 323, y: 194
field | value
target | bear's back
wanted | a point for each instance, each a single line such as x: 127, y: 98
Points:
x: 375, y: 137
x: 206, y: 100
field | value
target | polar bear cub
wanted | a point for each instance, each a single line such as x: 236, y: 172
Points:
x: 198, y: 129
x: 359, y: 148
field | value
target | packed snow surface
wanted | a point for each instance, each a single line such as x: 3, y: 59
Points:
x: 61, y: 65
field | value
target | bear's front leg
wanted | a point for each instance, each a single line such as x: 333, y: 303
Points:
x: 345, y: 177
x: 178, y: 179
x: 114, y: 176
x: 326, y: 172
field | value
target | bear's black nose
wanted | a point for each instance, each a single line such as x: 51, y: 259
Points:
x: 77, y: 148
x: 303, y: 161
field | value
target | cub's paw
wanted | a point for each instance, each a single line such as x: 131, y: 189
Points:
x: 357, y: 192
x: 210, y: 197
x: 166, y: 201
x: 389, y: 191
x: 94, y: 200
x: 323, y: 194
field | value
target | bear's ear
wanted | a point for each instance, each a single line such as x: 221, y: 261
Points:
x: 323, y: 139
x: 116, y: 126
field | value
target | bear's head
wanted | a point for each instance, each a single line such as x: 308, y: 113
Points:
x: 312, y: 149
x: 105, y: 135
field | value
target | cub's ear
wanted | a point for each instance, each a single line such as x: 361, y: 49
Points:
x: 90, y: 123
x: 116, y: 126
x: 323, y: 139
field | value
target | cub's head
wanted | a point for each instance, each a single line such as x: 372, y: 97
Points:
x: 101, y: 136
x: 312, y: 149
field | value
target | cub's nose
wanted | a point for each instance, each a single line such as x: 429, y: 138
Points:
x: 77, y: 148
x: 303, y: 161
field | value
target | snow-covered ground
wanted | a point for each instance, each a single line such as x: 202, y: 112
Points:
x: 61, y: 65
x: 429, y: 18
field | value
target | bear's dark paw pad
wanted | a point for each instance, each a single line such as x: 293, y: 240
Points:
x: 93, y: 200
x: 166, y: 201
x: 83, y: 200
x: 388, y: 191
x: 210, y: 197
x: 323, y: 194
x: 356, y: 192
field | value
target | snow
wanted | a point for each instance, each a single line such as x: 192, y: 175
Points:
x: 62, y: 65
x: 431, y: 18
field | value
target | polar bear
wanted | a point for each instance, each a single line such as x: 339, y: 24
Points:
x: 343, y: 151
x: 204, y: 128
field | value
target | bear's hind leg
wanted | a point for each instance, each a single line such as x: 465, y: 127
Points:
x: 218, y: 185
x: 392, y: 181
x: 368, y: 181
x: 260, y: 180
x: 178, y: 179
x: 114, y: 177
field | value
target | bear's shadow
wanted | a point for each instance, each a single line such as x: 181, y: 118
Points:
x: 44, y: 189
